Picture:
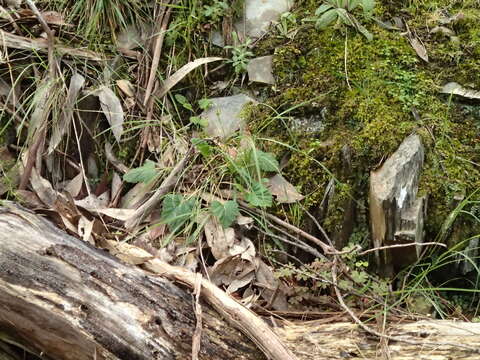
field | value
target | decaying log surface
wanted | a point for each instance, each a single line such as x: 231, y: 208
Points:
x: 67, y: 300
x: 435, y: 340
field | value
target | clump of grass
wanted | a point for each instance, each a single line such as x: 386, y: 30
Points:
x: 99, y: 18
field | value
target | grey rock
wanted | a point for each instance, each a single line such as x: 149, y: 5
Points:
x: 259, y: 14
x: 313, y: 124
x: 396, y: 214
x: 224, y: 115
x: 261, y: 70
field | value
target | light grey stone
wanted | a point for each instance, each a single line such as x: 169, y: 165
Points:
x: 396, y: 214
x: 223, y: 116
x: 261, y: 70
x: 259, y: 14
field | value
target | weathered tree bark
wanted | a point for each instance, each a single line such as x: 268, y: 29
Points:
x: 396, y: 214
x: 64, y: 299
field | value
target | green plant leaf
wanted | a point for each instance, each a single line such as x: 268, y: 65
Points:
x: 266, y: 161
x: 352, y: 4
x: 200, y: 121
x: 183, y: 101
x: 362, y: 30
x: 326, y: 19
x: 176, y: 210
x: 226, y: 213
x: 259, y: 195
x: 204, y: 104
x: 368, y: 6
x: 322, y: 9
x: 202, y: 146
x: 345, y: 17
x: 144, y: 173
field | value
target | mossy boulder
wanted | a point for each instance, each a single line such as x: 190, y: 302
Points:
x: 371, y: 96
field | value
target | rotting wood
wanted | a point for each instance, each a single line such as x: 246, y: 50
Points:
x: 62, y: 297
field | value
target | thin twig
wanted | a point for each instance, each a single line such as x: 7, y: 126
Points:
x: 50, y: 37
x: 401, y: 245
x: 197, y: 335
x: 161, y: 19
x: 304, y: 247
x: 325, y: 247
x: 376, y: 333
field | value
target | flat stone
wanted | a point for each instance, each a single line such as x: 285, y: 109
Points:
x: 396, y: 214
x: 261, y: 70
x: 224, y: 115
x: 259, y: 14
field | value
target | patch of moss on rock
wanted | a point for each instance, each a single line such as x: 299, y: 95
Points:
x: 372, y: 95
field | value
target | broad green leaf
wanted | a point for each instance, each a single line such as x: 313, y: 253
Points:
x: 368, y: 6
x: 204, y: 103
x: 200, y: 121
x: 360, y: 277
x: 202, y: 146
x: 144, y: 173
x: 322, y: 9
x: 226, y: 213
x: 176, y: 210
x: 345, y: 17
x: 352, y: 4
x: 326, y: 19
x: 259, y: 195
x: 363, y: 31
x: 183, y: 101
x: 266, y: 161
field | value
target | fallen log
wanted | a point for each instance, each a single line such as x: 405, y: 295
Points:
x: 64, y: 299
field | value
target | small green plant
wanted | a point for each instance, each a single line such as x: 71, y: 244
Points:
x: 203, y: 104
x: 341, y: 11
x: 216, y: 11
x: 240, y: 54
x: 286, y: 24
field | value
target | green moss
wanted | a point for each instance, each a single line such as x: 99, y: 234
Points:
x: 371, y: 96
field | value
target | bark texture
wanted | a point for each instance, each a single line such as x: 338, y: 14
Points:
x: 64, y: 299
x: 68, y: 300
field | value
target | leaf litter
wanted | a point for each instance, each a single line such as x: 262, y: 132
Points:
x: 139, y: 206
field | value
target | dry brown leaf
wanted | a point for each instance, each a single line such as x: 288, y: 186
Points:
x: 136, y: 195
x: 283, y: 190
x: 54, y: 18
x: 63, y: 125
x: 74, y: 186
x: 117, y: 184
x: 126, y: 87
x: 419, y: 48
x: 457, y: 89
x: 272, y: 292
x: 219, y: 239
x: 43, y: 189
x: 29, y: 199
x: 23, y: 43
x: 112, y: 108
x: 182, y: 72
x: 232, y: 271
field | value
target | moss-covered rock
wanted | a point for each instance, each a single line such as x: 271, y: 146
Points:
x: 371, y: 96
